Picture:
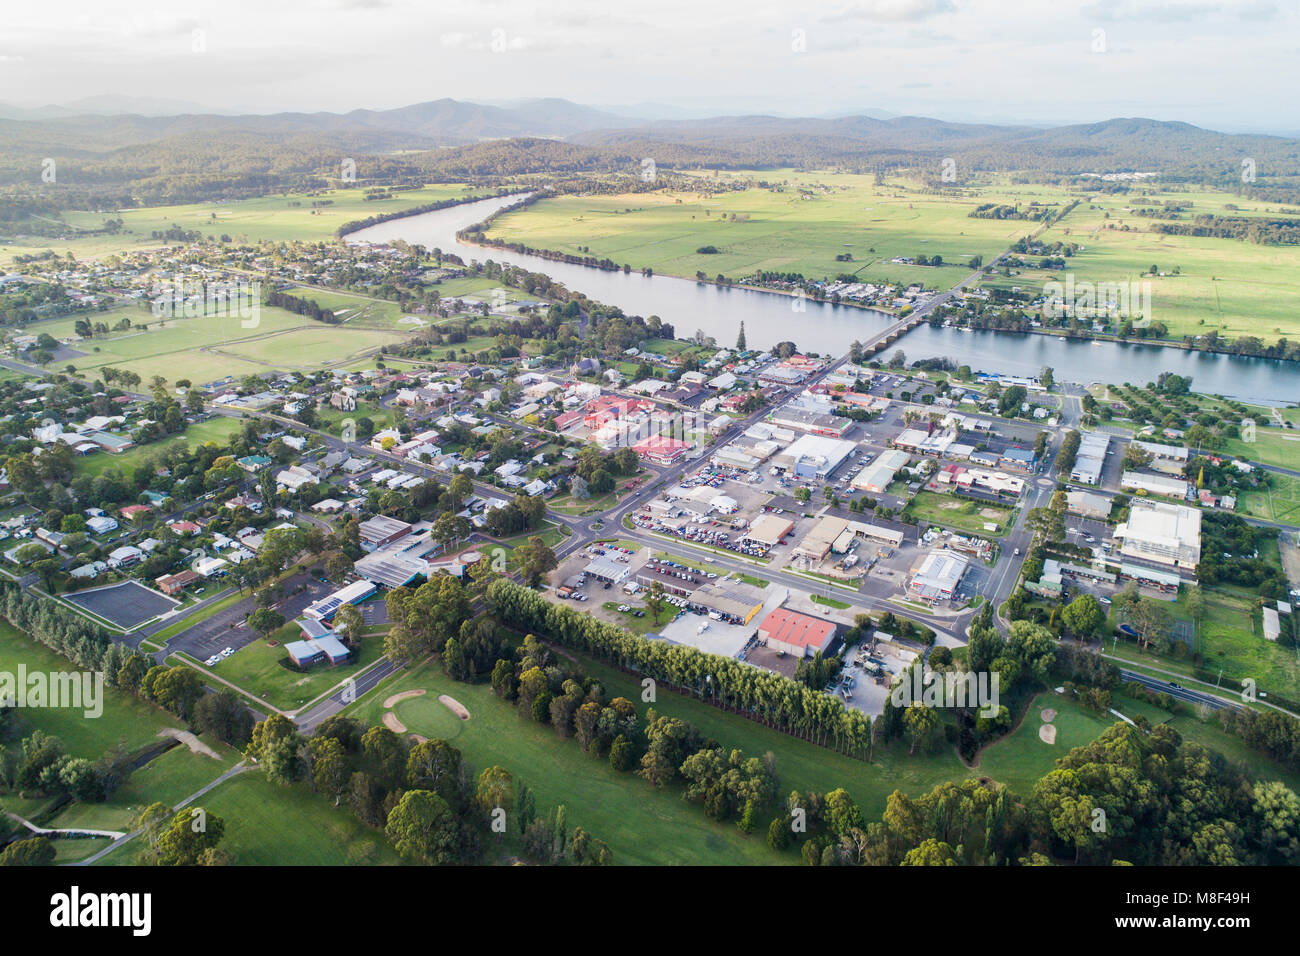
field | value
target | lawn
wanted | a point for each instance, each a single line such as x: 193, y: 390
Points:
x: 306, y: 348
x: 270, y: 825
x: 963, y: 514
x: 125, y: 720
x: 1280, y: 501
x: 641, y: 824
x: 167, y: 779
x: 219, y: 429
x: 257, y: 668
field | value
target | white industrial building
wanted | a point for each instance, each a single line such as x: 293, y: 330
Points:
x: 938, y: 577
x: 1091, y: 458
x: 1163, y: 533
x: 815, y: 456
x: 877, y: 476
x: 1154, y: 484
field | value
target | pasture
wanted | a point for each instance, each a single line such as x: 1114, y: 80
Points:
x: 799, y: 222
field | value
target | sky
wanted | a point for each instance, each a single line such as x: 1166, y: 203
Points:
x: 1224, y: 64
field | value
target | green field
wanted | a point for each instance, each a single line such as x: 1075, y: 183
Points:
x: 1238, y: 288
x: 801, y: 228
x: 1230, y: 639
x: 167, y: 779
x: 953, y: 511
x: 211, y: 348
x: 270, y: 825
x: 125, y: 720
x: 1280, y: 501
x: 284, y: 217
x: 641, y: 824
x: 219, y: 430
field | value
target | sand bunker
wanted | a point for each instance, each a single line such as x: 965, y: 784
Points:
x: 393, y: 724
x: 1047, y: 733
x: 404, y: 695
x: 1048, y: 715
x: 189, y: 740
x: 453, y: 705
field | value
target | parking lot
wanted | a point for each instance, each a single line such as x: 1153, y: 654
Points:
x: 226, y: 628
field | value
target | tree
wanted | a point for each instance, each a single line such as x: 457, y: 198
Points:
x: 423, y: 828
x: 535, y: 559
x: 265, y: 621
x: 37, y: 851
x: 741, y: 346
x: 1149, y: 618
x: 1083, y: 616
x: 349, y: 623
x: 329, y: 767
x: 183, y: 841
x: 450, y: 527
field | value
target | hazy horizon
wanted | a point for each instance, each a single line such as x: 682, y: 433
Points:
x: 1221, y: 64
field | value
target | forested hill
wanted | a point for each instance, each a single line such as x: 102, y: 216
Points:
x: 119, y: 160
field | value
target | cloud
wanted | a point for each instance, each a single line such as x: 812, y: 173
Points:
x: 1178, y: 11
x: 899, y: 11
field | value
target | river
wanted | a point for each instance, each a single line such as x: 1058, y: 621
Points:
x: 829, y: 329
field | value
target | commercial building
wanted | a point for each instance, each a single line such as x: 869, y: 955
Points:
x: 1154, y: 484
x: 769, y: 530
x: 381, y: 530
x: 1163, y: 533
x: 796, y: 634
x: 1088, y: 505
x: 604, y: 568
x: 808, y: 420
x: 877, y: 476
x: 354, y: 593
x: 1091, y: 458
x: 938, y: 577
x: 662, y: 450
x: 732, y: 601
x: 813, y: 456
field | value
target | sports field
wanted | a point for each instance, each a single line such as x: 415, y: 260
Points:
x: 210, y: 348
x: 127, y: 604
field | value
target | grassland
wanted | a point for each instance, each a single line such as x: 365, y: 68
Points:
x: 284, y: 217
x: 124, y: 720
x: 219, y: 430
x: 167, y: 779
x: 963, y: 514
x: 641, y: 824
x: 270, y: 825
x: 214, y: 348
x: 1237, y: 288
x: 799, y: 224
x: 1230, y: 640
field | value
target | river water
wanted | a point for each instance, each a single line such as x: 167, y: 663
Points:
x: 829, y: 329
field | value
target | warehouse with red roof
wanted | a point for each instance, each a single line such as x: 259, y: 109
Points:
x: 795, y: 633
